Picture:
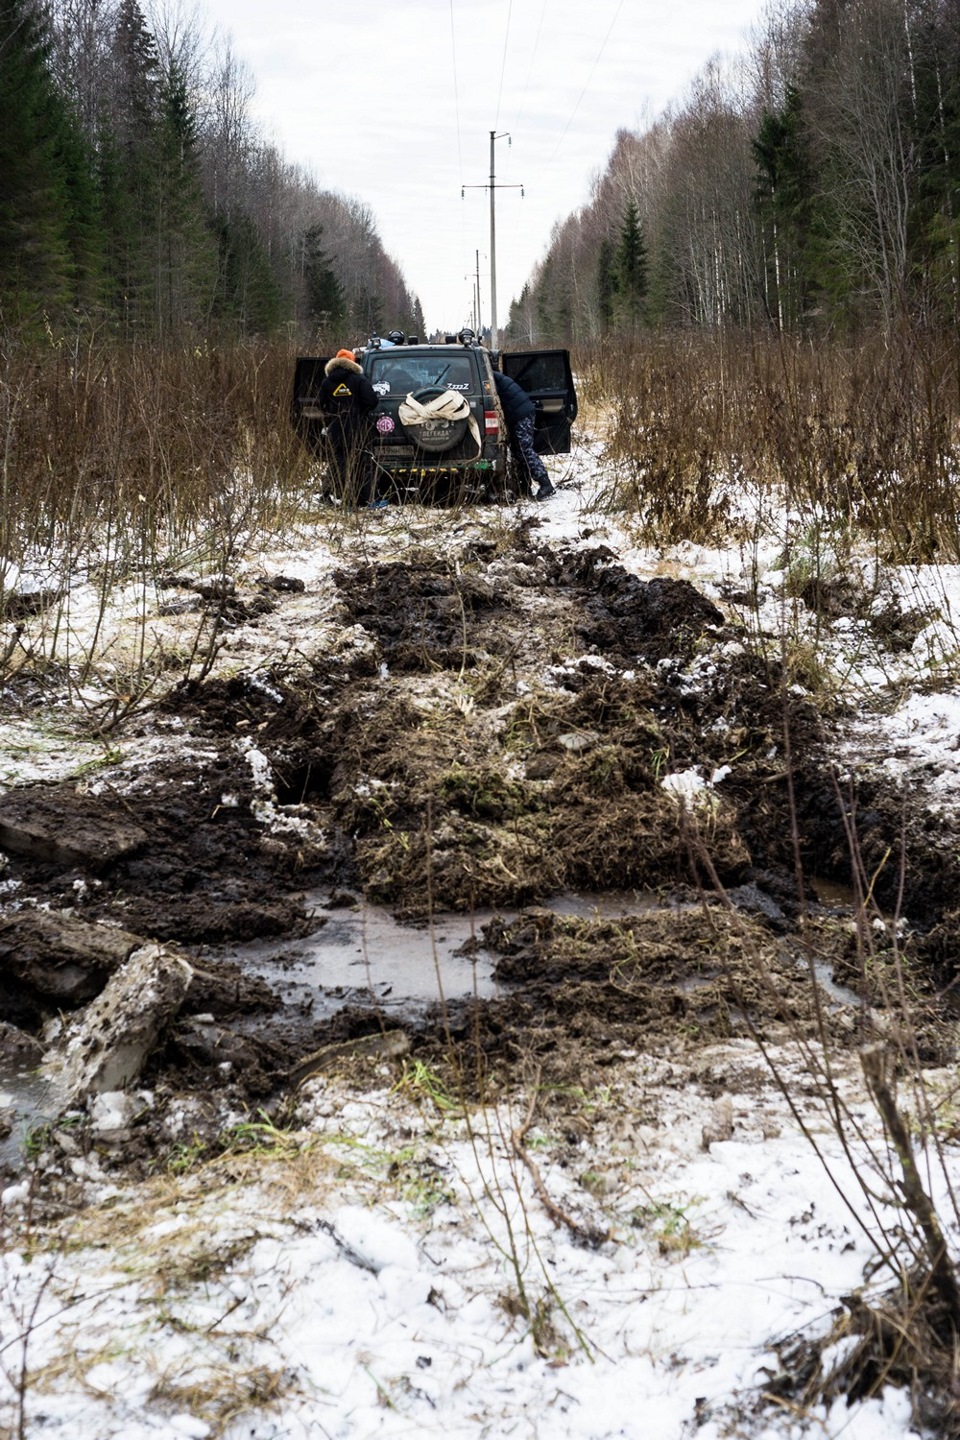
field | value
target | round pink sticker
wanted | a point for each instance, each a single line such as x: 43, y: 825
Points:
x: 385, y: 424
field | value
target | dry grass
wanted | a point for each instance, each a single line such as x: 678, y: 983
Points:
x: 148, y: 444
x: 865, y: 436
x: 122, y: 466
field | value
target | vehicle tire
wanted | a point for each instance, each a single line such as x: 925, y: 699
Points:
x: 439, y: 435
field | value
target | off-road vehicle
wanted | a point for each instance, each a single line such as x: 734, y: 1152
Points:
x: 438, y: 431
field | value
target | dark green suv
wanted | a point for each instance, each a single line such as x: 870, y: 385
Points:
x: 438, y: 431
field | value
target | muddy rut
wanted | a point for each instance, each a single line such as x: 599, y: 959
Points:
x: 497, y: 734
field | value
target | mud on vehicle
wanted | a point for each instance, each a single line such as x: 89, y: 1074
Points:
x: 438, y: 431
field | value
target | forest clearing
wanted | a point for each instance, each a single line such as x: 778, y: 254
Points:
x: 544, y: 876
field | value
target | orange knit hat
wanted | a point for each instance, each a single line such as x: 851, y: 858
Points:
x: 344, y: 355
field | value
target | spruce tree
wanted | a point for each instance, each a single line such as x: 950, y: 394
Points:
x: 185, y: 247
x: 631, y: 267
x: 129, y: 164
x: 935, y: 122
x: 35, y: 261
x: 787, y: 209
x: 248, y: 296
x: 324, y: 293
x: 83, y: 232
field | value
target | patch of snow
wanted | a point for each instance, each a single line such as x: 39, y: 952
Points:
x: 380, y: 1318
x: 684, y: 783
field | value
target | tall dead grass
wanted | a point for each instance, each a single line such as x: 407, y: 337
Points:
x: 865, y: 435
x: 141, y: 444
x: 120, y: 463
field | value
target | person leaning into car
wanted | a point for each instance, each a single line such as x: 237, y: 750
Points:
x: 347, y: 400
x: 518, y: 412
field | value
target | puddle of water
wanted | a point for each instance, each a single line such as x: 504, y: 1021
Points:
x: 842, y: 898
x: 24, y: 1098
x: 839, y: 994
x: 363, y: 956
x: 842, y: 901
x: 832, y: 894
x: 610, y: 905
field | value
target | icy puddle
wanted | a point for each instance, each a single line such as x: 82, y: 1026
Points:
x: 23, y: 1095
x: 361, y: 955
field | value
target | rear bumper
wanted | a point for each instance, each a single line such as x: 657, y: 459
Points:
x: 405, y: 466
x: 439, y: 484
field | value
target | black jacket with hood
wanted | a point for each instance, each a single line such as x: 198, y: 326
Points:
x: 346, y: 398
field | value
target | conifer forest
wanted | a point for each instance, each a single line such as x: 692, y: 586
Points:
x: 811, y: 183
x: 136, y: 193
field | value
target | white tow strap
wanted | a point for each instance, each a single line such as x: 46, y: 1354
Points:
x: 448, y: 406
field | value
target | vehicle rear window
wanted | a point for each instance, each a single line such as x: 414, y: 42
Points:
x: 400, y: 374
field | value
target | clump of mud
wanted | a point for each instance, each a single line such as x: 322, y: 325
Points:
x: 199, y: 868
x: 583, y: 992
x: 625, y: 617
x: 423, y: 617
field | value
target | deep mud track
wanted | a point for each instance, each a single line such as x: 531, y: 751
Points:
x: 494, y: 730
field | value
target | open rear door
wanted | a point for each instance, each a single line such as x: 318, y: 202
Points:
x: 307, y: 379
x: 304, y: 410
x: 548, y: 380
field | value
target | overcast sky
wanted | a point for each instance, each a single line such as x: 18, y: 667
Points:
x: 393, y: 101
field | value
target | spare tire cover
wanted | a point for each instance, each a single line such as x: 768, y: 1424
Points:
x: 435, y: 436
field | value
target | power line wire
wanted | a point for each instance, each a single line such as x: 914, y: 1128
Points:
x: 616, y: 15
x: 456, y: 100
x: 503, y: 66
x: 533, y: 61
x: 456, y: 88
x: 514, y: 221
x: 586, y: 86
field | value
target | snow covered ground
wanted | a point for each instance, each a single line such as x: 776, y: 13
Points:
x: 392, y: 1271
x: 391, y: 1267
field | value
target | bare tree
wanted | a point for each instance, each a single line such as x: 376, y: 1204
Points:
x: 861, y: 57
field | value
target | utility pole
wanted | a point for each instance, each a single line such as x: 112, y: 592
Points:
x: 493, y: 187
x: 474, y: 278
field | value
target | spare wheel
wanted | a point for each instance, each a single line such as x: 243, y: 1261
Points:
x: 435, y: 433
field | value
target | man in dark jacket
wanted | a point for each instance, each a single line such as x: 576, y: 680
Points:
x: 347, y: 401
x: 518, y: 412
